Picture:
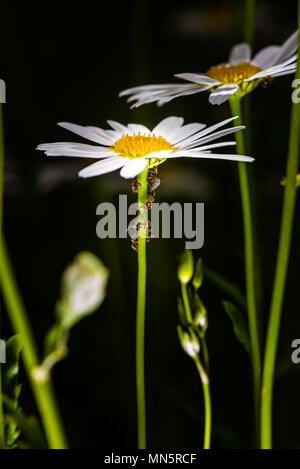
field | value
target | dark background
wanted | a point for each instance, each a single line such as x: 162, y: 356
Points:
x: 67, y: 62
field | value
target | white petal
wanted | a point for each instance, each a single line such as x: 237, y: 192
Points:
x: 133, y: 167
x: 195, y: 90
x: 165, y: 95
x: 159, y: 154
x: 145, y: 88
x: 276, y: 55
x: 136, y: 128
x: 197, y: 78
x: 80, y: 150
x: 210, y: 138
x: 200, y: 149
x: 116, y: 126
x: 240, y: 53
x: 216, y: 145
x: 168, y: 126
x: 189, y: 154
x: 103, y: 167
x: 206, y: 131
x: 95, y: 134
x: 222, y: 94
x: 246, y: 159
x: 285, y: 70
x: 184, y: 132
x: 265, y: 58
x: 289, y: 48
x: 283, y: 73
x: 273, y: 71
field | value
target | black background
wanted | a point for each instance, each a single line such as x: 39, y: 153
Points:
x: 67, y: 62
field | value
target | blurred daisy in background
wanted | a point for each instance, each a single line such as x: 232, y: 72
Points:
x: 131, y: 148
x: 238, y: 77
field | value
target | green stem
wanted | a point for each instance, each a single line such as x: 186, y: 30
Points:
x: 249, y: 36
x: 41, y: 383
x: 186, y: 303
x: 2, y: 435
x: 140, y: 310
x: 249, y: 257
x: 205, y: 353
x: 250, y: 22
x: 283, y: 257
x: 207, y: 402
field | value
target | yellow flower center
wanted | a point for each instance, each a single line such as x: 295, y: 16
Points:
x: 137, y: 145
x: 229, y: 74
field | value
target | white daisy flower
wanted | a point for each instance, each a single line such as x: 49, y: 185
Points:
x: 134, y: 146
x: 238, y: 77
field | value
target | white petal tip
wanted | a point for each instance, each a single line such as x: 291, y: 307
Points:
x: 82, y: 174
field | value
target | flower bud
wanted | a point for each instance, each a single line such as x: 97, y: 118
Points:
x: 198, y: 276
x: 189, y: 341
x: 186, y: 267
x: 200, y: 320
x: 83, y: 289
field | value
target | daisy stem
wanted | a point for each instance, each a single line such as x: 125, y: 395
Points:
x: 250, y: 21
x: 42, y: 387
x: 140, y: 310
x: 207, y: 402
x: 283, y: 256
x: 249, y: 258
x: 2, y: 435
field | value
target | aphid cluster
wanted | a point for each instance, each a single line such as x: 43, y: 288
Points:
x: 153, y: 182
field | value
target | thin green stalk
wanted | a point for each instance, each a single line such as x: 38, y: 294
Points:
x: 2, y: 436
x: 249, y: 257
x: 249, y: 36
x: 283, y: 257
x: 207, y: 403
x: 40, y: 382
x: 186, y: 302
x: 140, y: 310
x: 1, y: 169
x: 205, y: 353
x: 250, y: 21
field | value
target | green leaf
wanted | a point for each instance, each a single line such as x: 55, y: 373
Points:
x: 227, y: 286
x: 29, y: 426
x: 51, y: 339
x: 11, y: 370
x: 239, y: 324
x: 11, y: 386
